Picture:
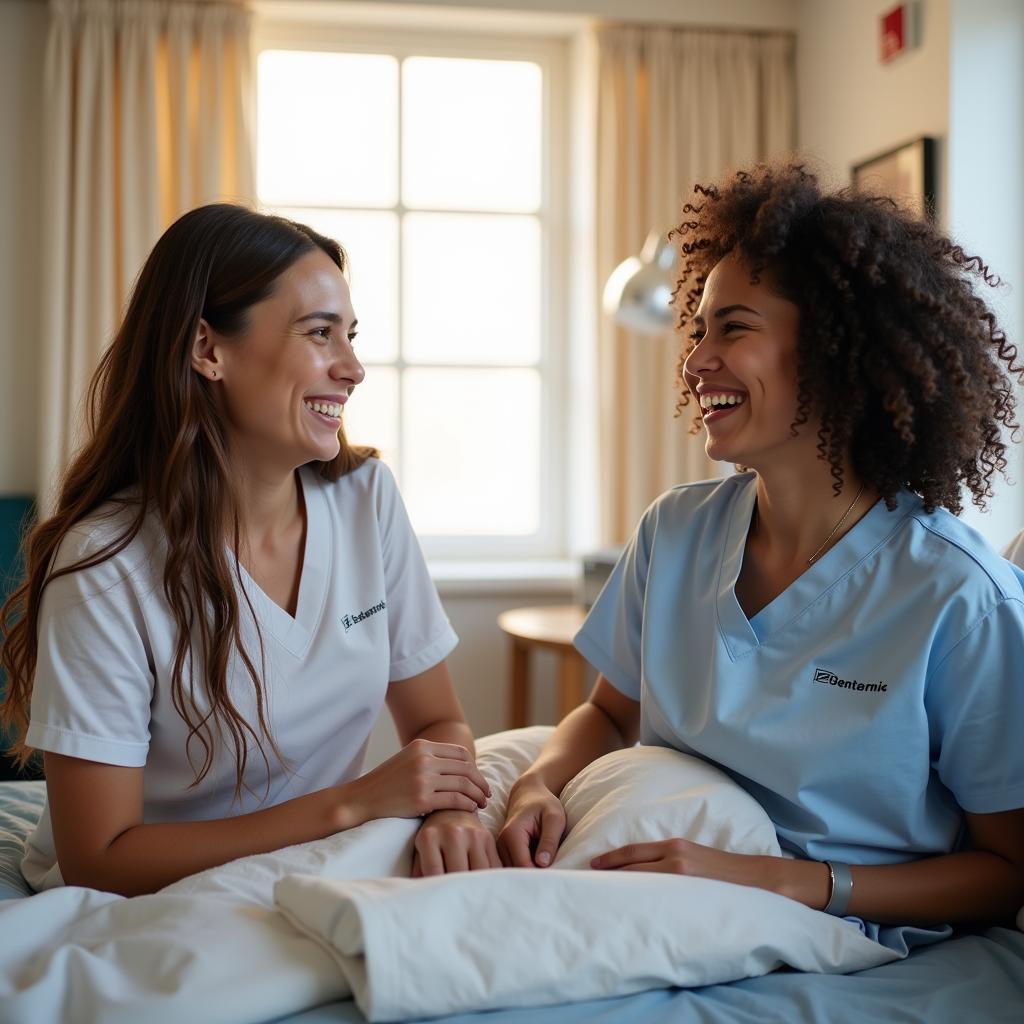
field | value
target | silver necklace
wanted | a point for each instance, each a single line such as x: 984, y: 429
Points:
x: 835, y: 529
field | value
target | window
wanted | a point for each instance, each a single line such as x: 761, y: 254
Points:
x: 433, y: 162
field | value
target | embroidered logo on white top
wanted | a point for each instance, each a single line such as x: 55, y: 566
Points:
x: 348, y: 621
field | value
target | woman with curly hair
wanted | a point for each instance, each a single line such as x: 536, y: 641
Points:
x: 229, y: 592
x: 821, y: 625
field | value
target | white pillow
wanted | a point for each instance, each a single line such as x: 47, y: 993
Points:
x: 645, y: 794
x: 636, y: 795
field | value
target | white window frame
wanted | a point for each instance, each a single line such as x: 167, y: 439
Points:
x: 329, y: 33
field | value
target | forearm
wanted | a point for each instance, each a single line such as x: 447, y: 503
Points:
x: 958, y: 888
x: 448, y: 731
x: 584, y: 735
x: 145, y: 858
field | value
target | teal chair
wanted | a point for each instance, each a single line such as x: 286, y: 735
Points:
x: 16, y: 515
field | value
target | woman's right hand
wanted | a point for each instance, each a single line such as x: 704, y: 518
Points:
x: 534, y: 826
x: 423, y: 776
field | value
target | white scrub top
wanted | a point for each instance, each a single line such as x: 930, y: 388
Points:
x: 367, y: 615
x: 868, y: 703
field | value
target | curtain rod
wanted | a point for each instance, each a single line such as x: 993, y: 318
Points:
x: 730, y: 30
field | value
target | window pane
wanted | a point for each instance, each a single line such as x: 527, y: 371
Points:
x: 371, y: 414
x: 371, y: 241
x: 471, y: 134
x: 327, y: 128
x: 471, y: 451
x: 472, y: 288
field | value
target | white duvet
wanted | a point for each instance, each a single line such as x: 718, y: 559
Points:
x: 271, y: 935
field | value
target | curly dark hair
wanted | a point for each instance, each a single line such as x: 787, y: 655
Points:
x: 899, y: 357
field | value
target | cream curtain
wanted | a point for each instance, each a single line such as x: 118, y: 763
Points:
x: 674, y: 107
x: 147, y: 115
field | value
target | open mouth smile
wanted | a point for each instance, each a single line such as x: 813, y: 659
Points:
x: 716, y: 405
x: 329, y: 412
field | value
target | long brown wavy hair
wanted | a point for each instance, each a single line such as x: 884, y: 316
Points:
x: 898, y: 354
x: 157, y: 446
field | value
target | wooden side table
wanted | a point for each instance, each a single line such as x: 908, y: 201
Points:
x: 551, y: 627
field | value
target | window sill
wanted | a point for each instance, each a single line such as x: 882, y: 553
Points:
x: 521, y: 576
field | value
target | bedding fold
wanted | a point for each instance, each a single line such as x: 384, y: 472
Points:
x: 209, y: 948
x: 525, y: 938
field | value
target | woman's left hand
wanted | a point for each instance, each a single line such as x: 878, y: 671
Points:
x: 453, y: 841
x: 681, y: 857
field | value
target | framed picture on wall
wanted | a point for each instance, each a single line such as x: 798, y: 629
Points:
x: 906, y: 174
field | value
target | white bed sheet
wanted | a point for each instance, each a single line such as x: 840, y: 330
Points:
x: 215, y: 948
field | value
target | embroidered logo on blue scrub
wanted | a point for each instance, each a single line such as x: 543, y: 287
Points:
x: 828, y: 678
x: 348, y: 621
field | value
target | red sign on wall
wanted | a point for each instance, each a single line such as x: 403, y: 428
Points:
x: 893, y: 39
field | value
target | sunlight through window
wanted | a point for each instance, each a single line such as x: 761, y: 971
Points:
x: 428, y: 170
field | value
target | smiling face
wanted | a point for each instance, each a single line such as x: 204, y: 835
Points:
x: 743, y: 369
x: 285, y: 380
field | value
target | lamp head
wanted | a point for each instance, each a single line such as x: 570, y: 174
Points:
x: 638, y: 293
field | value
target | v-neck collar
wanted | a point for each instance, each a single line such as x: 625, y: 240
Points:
x: 296, y: 632
x: 741, y: 634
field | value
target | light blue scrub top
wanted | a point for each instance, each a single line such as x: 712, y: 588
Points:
x: 869, y: 702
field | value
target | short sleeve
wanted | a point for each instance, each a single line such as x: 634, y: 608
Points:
x: 975, y: 705
x: 93, y: 683
x: 610, y: 637
x: 420, y: 633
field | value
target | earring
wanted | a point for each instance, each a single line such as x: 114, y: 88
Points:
x: 213, y: 375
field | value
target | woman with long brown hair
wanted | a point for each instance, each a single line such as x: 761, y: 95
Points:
x: 228, y: 592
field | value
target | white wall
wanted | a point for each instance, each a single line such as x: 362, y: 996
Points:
x: 986, y: 204
x: 22, y: 42
x: 850, y: 106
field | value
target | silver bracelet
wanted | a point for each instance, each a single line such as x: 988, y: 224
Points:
x: 841, y: 890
